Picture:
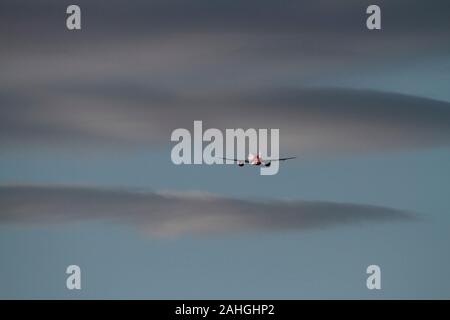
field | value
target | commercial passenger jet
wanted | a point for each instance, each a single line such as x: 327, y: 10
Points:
x: 257, y: 160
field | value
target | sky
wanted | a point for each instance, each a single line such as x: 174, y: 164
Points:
x: 86, y: 176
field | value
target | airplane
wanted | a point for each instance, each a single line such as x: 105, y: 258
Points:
x: 257, y: 160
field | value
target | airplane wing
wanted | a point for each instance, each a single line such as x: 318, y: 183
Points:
x: 235, y: 160
x: 281, y: 159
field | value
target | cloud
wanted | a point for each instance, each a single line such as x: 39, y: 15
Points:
x: 169, y: 214
x: 311, y: 120
x: 205, y: 44
x: 137, y: 71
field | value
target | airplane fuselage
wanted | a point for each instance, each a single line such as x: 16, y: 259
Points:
x: 255, y: 160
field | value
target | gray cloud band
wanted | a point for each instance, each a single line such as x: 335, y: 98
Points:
x: 136, y: 72
x: 173, y: 214
x: 311, y: 121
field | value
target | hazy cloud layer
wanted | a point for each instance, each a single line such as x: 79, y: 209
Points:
x: 172, y: 214
x: 138, y: 70
x: 311, y: 121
